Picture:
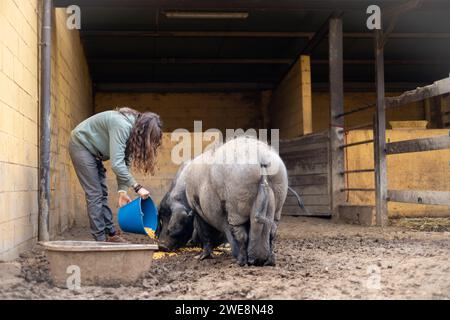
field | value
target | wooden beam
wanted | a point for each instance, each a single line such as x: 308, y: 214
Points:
x: 419, y: 145
x: 251, y: 34
x: 336, y: 154
x: 256, y: 61
x: 393, y: 13
x: 404, y: 62
x: 306, y: 94
x: 199, y: 34
x: 314, y: 41
x: 420, y: 197
x: 182, y: 87
x: 264, y: 5
x: 368, y: 86
x: 437, y: 111
x: 402, y: 8
x: 380, y: 135
x: 321, y: 5
x: 320, y: 34
x: 433, y: 112
x: 191, y: 61
x: 436, y: 89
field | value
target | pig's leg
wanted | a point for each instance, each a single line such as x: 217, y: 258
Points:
x: 238, y: 222
x: 271, y: 261
x: 205, y: 233
x: 232, y: 241
x: 240, y: 234
x: 273, y: 234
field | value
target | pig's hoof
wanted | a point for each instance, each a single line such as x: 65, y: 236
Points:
x: 270, y: 262
x: 242, y: 261
x: 205, y: 255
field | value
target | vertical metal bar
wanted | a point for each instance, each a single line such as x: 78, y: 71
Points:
x: 45, y: 106
x: 380, y: 138
x: 336, y: 155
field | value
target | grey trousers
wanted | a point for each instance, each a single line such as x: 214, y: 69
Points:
x: 92, y: 176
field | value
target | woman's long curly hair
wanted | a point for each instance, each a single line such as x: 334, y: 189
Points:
x: 145, y: 140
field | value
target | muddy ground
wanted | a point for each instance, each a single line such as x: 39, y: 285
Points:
x: 317, y: 259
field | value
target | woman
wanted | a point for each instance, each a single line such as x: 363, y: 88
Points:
x: 126, y: 137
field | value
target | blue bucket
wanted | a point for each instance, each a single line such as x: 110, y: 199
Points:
x: 138, y: 215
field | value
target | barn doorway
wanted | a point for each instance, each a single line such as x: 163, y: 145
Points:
x: 264, y: 65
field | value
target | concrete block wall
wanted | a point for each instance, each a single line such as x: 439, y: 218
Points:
x: 19, y: 124
x: 72, y: 102
x: 179, y: 110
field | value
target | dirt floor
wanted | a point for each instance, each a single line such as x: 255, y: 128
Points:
x: 317, y: 259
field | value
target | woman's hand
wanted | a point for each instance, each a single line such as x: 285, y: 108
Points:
x: 144, y: 193
x: 123, y: 199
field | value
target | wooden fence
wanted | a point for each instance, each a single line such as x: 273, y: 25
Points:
x: 430, y: 197
x: 307, y: 162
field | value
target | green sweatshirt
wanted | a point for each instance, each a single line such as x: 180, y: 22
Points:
x: 105, y: 135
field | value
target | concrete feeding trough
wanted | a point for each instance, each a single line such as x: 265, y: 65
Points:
x: 99, y: 263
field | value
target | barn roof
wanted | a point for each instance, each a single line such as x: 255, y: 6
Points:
x: 134, y: 41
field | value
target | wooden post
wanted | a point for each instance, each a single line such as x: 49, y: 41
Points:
x: 336, y: 155
x: 380, y: 135
x: 433, y: 111
x: 306, y: 95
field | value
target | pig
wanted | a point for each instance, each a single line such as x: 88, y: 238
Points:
x: 175, y: 216
x: 233, y: 191
x: 179, y: 225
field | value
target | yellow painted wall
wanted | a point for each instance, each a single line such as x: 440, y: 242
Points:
x: 19, y: 131
x: 72, y: 102
x: 18, y: 126
x: 290, y: 105
x: 179, y: 110
x: 415, y: 171
x: 353, y: 100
